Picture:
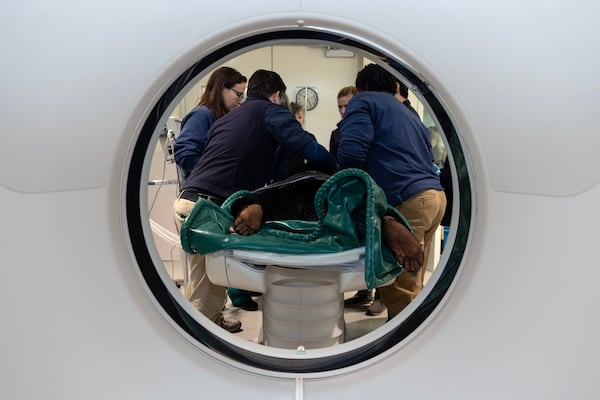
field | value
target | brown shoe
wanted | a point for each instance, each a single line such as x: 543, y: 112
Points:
x: 230, y: 326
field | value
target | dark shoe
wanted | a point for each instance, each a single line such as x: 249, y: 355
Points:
x: 230, y: 326
x: 376, y: 308
x: 248, y: 305
x: 362, y: 298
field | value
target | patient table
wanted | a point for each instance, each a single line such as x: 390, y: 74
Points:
x: 302, y: 267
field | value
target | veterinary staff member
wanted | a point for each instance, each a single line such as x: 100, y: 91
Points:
x: 383, y: 137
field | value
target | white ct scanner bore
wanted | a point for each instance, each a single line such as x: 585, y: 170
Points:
x: 510, y: 313
x: 330, y: 359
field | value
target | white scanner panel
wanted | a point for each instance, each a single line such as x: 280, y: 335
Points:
x: 518, y: 81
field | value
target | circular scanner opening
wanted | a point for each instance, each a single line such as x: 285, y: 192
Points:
x: 261, y: 358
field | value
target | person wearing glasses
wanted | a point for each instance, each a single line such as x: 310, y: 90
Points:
x: 240, y: 154
x: 224, y: 92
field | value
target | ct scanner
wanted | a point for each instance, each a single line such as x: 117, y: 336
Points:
x: 512, y: 312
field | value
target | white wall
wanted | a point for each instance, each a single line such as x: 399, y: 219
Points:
x: 299, y: 66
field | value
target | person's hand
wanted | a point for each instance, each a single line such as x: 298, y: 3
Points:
x: 248, y: 220
x: 406, y: 248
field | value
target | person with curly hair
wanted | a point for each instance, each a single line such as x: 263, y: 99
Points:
x: 383, y: 137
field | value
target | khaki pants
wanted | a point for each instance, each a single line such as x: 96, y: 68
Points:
x: 207, y: 297
x: 423, y: 211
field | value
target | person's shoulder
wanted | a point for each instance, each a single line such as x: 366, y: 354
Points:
x: 369, y: 96
x: 256, y: 98
x: 359, y: 98
x: 201, y: 111
x: 278, y: 110
x: 371, y: 100
x: 255, y: 103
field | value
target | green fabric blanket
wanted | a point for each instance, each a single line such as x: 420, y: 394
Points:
x: 349, y: 208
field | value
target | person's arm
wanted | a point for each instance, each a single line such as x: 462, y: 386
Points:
x: 191, y: 141
x: 356, y: 134
x: 319, y: 158
x: 287, y: 131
